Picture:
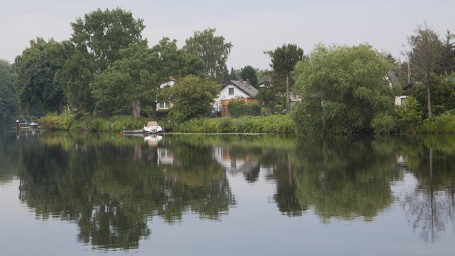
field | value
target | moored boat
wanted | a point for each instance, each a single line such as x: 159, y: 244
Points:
x: 152, y: 127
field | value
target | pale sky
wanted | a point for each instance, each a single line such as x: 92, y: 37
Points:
x: 252, y: 26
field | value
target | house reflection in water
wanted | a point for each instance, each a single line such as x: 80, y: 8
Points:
x: 248, y: 165
x: 165, y: 156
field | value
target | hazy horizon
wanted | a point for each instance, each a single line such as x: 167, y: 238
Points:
x: 251, y: 26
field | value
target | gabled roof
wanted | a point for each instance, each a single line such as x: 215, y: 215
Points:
x: 245, y: 86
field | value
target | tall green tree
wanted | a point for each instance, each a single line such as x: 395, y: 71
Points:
x: 75, y: 77
x: 193, y: 97
x: 172, y: 63
x: 425, y: 59
x: 38, y: 90
x: 142, y: 71
x: 342, y: 89
x: 111, y: 91
x: 213, y: 50
x: 249, y: 73
x: 102, y: 34
x: 283, y: 60
x: 131, y: 79
x: 8, y: 103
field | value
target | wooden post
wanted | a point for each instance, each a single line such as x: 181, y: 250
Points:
x: 18, y: 128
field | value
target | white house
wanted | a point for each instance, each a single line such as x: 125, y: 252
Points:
x: 234, y: 90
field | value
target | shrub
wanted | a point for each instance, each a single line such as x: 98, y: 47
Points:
x: 57, y: 122
x: 383, y: 123
x: 409, y: 116
x: 239, y: 108
x: 444, y: 123
x: 245, y: 124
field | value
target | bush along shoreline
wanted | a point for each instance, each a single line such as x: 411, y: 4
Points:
x: 277, y: 124
x: 273, y: 124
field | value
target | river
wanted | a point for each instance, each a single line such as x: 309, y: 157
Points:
x: 89, y: 194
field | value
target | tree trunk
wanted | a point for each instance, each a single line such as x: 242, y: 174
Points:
x: 428, y: 95
x: 154, y: 110
x: 136, y: 105
x: 288, y: 96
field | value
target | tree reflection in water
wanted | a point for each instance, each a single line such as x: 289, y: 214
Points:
x: 431, y: 206
x: 112, y: 189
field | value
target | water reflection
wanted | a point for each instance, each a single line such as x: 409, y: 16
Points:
x: 110, y: 190
x: 430, y: 208
x: 9, y: 154
x: 113, y: 186
x: 345, y: 178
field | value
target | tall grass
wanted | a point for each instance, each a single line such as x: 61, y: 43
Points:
x: 247, y: 124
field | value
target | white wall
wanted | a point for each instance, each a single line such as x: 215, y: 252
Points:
x: 399, y: 100
x: 224, y: 95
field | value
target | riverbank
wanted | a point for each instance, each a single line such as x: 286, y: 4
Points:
x: 277, y: 124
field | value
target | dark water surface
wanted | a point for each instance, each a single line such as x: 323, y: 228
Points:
x: 82, y: 194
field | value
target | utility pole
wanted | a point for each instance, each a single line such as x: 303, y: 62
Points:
x: 409, y: 73
x: 288, y: 96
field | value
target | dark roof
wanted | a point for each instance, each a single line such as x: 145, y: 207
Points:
x: 245, y: 86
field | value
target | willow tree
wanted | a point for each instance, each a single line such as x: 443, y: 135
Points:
x: 342, y: 89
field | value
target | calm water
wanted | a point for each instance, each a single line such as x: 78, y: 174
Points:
x: 85, y: 194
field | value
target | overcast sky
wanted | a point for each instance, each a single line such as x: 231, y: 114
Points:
x: 252, y: 26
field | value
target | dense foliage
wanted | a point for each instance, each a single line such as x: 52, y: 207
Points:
x: 213, y: 50
x: 248, y: 73
x: 8, y: 104
x: 343, y: 89
x: 246, y: 124
x: 102, y: 34
x: 239, y: 108
x: 283, y: 61
x: 37, y: 90
x: 193, y: 97
x: 106, y: 68
x: 431, y: 70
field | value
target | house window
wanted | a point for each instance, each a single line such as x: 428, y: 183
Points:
x: 164, y: 105
x: 231, y: 91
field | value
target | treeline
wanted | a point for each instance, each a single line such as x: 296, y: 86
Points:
x: 107, y: 68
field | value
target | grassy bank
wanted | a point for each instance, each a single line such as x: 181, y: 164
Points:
x: 279, y: 124
x: 246, y: 124
x: 86, y: 122
x: 83, y: 122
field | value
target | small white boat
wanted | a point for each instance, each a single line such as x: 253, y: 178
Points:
x: 152, y: 127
